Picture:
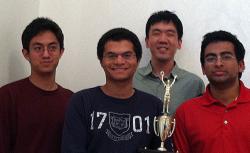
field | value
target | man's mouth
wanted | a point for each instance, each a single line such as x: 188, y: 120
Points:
x: 219, y: 73
x: 119, y: 69
x: 162, y: 48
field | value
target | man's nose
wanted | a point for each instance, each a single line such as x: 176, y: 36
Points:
x: 218, y: 61
x: 45, y: 52
x: 163, y: 38
x: 119, y: 59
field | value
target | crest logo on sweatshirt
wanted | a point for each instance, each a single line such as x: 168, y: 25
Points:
x: 119, y: 125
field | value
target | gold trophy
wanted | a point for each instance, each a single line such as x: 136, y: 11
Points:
x: 164, y: 124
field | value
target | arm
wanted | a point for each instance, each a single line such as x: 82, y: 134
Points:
x: 7, y: 121
x: 180, y: 138
x: 74, y: 138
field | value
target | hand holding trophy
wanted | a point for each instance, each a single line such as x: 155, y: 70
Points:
x: 164, y: 124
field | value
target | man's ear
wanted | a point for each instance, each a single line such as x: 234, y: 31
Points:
x: 241, y: 65
x: 203, y: 70
x: 61, y: 52
x: 179, y: 43
x: 26, y: 54
x: 146, y: 41
x: 101, y: 63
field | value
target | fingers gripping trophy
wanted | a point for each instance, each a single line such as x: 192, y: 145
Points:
x: 164, y: 124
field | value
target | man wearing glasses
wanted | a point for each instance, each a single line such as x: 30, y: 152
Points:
x: 218, y: 121
x: 114, y: 117
x: 32, y: 109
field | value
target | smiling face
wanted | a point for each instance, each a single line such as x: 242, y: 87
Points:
x: 44, y: 53
x: 119, y: 61
x: 221, y: 65
x: 163, y: 41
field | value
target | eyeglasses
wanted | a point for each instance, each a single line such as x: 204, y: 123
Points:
x: 39, y: 48
x: 226, y: 57
x: 114, y: 56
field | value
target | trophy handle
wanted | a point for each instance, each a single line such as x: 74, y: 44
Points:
x: 171, y: 133
x: 155, y: 123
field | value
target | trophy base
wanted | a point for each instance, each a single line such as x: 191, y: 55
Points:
x: 152, y: 151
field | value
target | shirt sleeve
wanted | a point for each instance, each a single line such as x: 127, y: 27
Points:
x: 201, y: 87
x: 74, y: 139
x: 180, y: 138
x: 7, y: 121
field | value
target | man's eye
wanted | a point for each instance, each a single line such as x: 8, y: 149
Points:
x: 210, y: 59
x: 170, y: 34
x: 37, y: 48
x: 52, y: 48
x: 227, y: 56
x: 156, y: 33
x: 111, y: 56
x: 127, y: 55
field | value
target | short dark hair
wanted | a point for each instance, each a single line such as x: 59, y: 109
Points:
x: 221, y: 35
x: 165, y: 16
x: 38, y: 25
x: 118, y: 34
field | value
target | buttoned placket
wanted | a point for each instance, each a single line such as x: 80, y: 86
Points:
x: 226, y: 130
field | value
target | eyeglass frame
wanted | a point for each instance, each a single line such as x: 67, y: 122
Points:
x: 40, y: 48
x: 223, y: 57
x: 111, y: 56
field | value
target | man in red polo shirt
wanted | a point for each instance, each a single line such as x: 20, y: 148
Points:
x: 219, y: 120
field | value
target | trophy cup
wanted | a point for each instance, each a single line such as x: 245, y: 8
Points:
x: 164, y: 124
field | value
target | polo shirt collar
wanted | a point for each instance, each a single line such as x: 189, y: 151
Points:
x: 244, y: 93
x: 149, y: 71
x: 243, y: 97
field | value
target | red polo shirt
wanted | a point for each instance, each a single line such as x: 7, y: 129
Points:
x: 204, y: 125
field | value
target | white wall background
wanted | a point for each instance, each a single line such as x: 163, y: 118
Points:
x: 84, y: 21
